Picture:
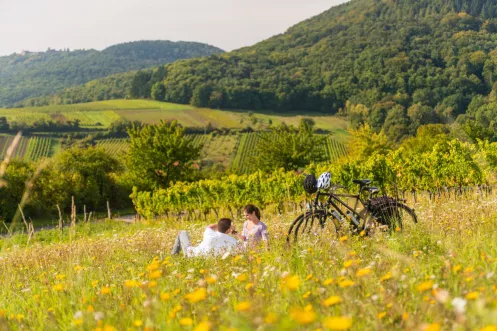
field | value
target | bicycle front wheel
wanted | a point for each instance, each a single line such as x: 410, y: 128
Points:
x: 396, y: 216
x: 308, y: 225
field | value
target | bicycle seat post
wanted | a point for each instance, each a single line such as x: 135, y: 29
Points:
x: 316, y: 200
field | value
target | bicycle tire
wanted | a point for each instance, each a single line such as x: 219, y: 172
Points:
x: 395, y: 215
x: 309, y: 223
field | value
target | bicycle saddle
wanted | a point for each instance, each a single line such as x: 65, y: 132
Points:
x: 362, y: 182
x: 371, y: 189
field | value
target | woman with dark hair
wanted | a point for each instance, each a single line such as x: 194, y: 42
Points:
x: 254, y: 230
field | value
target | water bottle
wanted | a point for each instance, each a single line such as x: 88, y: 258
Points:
x: 337, y: 215
x: 353, y: 219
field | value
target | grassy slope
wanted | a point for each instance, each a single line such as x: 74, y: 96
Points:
x: 105, y: 112
x: 105, y: 275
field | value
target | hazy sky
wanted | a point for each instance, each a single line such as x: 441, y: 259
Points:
x: 36, y: 25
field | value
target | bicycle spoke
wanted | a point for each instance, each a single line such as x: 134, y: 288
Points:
x: 308, y: 226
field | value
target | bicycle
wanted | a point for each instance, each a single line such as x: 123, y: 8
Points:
x: 384, y: 211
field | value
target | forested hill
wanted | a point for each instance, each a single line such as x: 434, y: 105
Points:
x: 32, y: 74
x: 394, y: 64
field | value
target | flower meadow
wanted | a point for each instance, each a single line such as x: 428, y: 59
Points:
x: 441, y: 275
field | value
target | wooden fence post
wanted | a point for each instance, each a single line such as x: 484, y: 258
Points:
x: 109, y: 215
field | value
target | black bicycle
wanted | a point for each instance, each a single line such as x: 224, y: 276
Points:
x: 368, y: 212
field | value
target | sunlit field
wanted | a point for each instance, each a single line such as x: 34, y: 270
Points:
x: 115, y: 276
x: 102, y: 113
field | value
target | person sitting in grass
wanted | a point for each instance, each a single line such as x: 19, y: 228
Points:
x: 254, y: 230
x: 216, y: 241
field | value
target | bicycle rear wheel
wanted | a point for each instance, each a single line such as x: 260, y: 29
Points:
x: 395, y: 216
x: 308, y: 225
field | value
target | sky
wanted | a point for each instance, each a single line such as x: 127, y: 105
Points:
x: 37, y: 25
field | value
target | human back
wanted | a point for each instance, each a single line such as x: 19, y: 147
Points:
x: 214, y: 242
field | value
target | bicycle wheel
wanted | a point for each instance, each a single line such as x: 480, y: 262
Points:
x: 309, y: 224
x: 395, y: 216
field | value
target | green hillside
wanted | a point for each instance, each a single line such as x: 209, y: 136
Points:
x: 32, y: 74
x: 394, y: 64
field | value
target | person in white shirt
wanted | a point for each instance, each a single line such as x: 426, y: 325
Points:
x: 216, y: 241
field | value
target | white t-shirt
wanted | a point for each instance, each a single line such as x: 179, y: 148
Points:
x: 213, y: 243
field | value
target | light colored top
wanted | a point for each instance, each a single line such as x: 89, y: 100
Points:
x: 213, y: 243
x: 255, y: 234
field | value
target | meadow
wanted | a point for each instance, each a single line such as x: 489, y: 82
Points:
x: 102, y: 113
x: 114, y: 276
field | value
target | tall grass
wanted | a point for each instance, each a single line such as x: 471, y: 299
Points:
x: 440, y: 275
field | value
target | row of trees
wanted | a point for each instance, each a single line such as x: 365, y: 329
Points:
x: 432, y: 161
x: 88, y: 175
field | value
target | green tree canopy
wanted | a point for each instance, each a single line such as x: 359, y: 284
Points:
x: 288, y: 147
x: 160, y: 154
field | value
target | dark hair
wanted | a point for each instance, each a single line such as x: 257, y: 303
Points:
x: 223, y: 225
x: 250, y: 208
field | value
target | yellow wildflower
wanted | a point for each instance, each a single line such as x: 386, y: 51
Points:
x: 425, y: 286
x: 333, y: 300
x: 203, y: 326
x: 363, y: 272
x: 338, y: 323
x: 130, y: 283
x: 271, y: 318
x: 291, y: 283
x: 243, y: 306
x: 346, y: 283
x: 174, y: 311
x: 210, y: 279
x: 155, y: 274
x: 242, y: 277
x: 197, y: 295
x: 387, y: 276
x: 186, y: 321
x: 347, y: 263
x: 302, y: 316
x: 138, y: 323
x: 489, y: 328
x: 382, y: 314
x: 58, y: 287
x: 249, y: 286
x: 472, y: 295
x: 153, y: 266
x: 105, y: 290
x: 433, y: 327
x: 328, y: 281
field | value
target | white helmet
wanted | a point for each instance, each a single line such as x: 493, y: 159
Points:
x: 324, y: 181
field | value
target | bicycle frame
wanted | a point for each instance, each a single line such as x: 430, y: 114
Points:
x: 334, y: 201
